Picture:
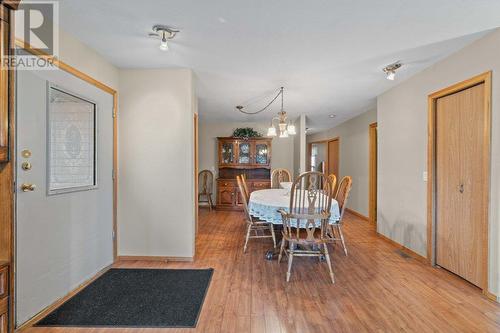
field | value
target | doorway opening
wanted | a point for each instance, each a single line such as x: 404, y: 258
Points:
x: 324, y: 156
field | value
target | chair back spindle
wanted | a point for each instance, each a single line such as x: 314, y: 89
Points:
x: 245, y: 186
x: 334, y: 183
x: 244, y: 199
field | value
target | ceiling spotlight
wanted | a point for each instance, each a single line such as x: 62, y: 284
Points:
x: 390, y: 70
x: 164, y: 33
x: 332, y: 116
x: 163, y: 43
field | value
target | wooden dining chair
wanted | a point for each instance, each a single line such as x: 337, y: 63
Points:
x: 278, y: 176
x: 254, y: 224
x: 335, y: 230
x: 245, y: 186
x: 334, y: 182
x: 205, y: 187
x: 306, y: 221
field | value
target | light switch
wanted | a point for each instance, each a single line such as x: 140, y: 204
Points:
x: 424, y: 176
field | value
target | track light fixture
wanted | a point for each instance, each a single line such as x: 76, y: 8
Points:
x: 390, y: 70
x: 164, y: 33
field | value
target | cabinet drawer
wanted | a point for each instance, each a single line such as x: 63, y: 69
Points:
x: 4, y: 281
x: 4, y: 318
x: 222, y: 183
x: 261, y: 185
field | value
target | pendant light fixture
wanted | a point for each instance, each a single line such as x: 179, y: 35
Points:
x: 279, y: 124
x: 285, y: 128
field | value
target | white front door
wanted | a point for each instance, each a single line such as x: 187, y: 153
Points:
x: 64, y: 186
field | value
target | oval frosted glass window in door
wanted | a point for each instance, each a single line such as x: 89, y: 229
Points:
x: 73, y: 141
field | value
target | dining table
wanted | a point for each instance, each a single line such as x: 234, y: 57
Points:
x: 266, y: 204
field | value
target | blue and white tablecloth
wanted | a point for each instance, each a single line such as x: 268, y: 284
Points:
x: 264, y: 204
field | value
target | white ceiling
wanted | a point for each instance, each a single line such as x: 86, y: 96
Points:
x: 327, y: 54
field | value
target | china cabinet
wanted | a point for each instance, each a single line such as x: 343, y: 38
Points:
x: 251, y: 157
x: 244, y: 153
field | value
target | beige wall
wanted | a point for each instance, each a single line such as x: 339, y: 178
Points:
x: 80, y: 56
x: 353, y: 155
x: 402, y: 127
x: 156, y: 198
x: 299, y: 146
x: 282, y: 149
x: 75, y: 53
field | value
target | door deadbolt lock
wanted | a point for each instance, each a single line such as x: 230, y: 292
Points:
x: 28, y: 187
x: 26, y: 153
x: 26, y: 166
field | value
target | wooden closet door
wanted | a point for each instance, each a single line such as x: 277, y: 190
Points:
x: 333, y: 157
x: 460, y: 222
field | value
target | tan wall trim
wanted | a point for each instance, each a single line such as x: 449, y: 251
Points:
x: 491, y: 296
x: 40, y: 315
x: 403, y: 248
x: 155, y: 258
x: 195, y: 176
x: 432, y: 98
x: 361, y: 216
x: 372, y: 172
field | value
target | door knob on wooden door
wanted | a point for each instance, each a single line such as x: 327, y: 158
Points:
x: 461, y: 188
x: 28, y: 187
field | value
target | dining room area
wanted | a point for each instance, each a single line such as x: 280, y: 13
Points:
x: 295, y: 247
x: 292, y: 258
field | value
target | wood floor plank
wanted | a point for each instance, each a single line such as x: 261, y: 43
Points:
x: 377, y: 288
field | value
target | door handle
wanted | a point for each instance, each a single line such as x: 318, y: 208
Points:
x: 461, y: 188
x: 28, y: 187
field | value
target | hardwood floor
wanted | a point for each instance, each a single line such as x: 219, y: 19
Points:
x: 378, y: 288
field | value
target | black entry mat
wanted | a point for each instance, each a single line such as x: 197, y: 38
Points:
x: 136, y: 298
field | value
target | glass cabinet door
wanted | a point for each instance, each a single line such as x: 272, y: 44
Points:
x: 227, y: 153
x: 261, y: 154
x: 244, y: 153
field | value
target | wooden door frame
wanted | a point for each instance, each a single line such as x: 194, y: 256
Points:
x: 195, y: 137
x: 372, y: 174
x: 309, y: 150
x: 485, y: 79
